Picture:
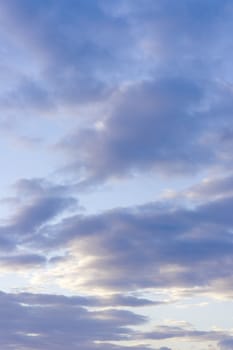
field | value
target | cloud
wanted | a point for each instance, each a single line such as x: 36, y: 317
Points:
x: 71, y: 52
x: 166, y: 109
x: 131, y: 87
x: 175, y: 117
x: 226, y: 344
x: 157, y: 245
x: 37, y: 202
x: 130, y: 301
x: 190, y: 335
x: 14, y: 262
x: 33, y: 321
x: 209, y: 189
x: 61, y: 41
x: 145, y: 247
x: 158, y: 126
x: 148, y: 127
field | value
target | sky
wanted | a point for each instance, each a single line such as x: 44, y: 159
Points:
x: 116, y: 183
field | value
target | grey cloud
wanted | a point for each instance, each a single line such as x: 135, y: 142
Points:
x: 36, y: 322
x: 186, y: 36
x: 27, y: 94
x: 223, y: 339
x: 77, y: 47
x: 37, y: 202
x: 133, y: 248
x: 158, y: 69
x: 211, y: 188
x: 175, y: 121
x: 226, y: 344
x: 33, y: 216
x: 131, y: 301
x: 116, y: 300
x: 22, y: 260
x: 178, y: 120
x: 43, y: 201
x: 38, y: 187
x: 52, y: 300
x: 189, y: 335
x: 158, y: 125
x: 63, y: 40
x: 6, y: 244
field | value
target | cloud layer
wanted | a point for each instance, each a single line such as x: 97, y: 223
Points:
x: 100, y: 93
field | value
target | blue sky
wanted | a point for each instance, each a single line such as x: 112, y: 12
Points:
x: 116, y: 142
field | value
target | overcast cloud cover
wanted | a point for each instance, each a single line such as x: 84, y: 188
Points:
x: 116, y: 143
